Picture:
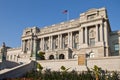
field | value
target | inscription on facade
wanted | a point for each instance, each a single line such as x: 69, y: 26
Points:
x: 82, y: 59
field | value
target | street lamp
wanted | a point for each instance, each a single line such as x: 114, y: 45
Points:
x: 35, y: 53
x: 35, y: 48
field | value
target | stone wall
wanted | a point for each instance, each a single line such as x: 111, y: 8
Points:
x: 13, y: 53
x: 106, y: 63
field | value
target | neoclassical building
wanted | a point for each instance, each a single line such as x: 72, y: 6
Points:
x: 89, y: 34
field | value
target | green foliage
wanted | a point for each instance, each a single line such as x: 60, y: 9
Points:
x: 72, y: 75
x: 39, y: 67
x: 41, y: 56
x: 64, y: 69
x: 97, y: 71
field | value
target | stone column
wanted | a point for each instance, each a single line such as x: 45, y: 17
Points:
x: 58, y: 41
x: 23, y: 45
x: 81, y: 36
x: 51, y: 41
x: 106, y: 38
x: 35, y: 47
x: 31, y: 45
x: 106, y: 33
x: 43, y: 44
x: 28, y: 44
x: 71, y: 41
x: 86, y: 35
x: 68, y: 39
x: 101, y: 32
x: 42, y: 47
x: 96, y: 39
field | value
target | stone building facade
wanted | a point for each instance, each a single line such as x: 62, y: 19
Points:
x: 90, y: 34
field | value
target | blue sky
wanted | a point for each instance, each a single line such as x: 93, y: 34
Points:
x: 16, y: 15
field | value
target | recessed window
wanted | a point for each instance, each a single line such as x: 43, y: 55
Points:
x: 92, y: 16
x: 116, y: 47
x: 92, y: 41
x: 61, y: 56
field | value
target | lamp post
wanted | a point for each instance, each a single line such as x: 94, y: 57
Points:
x: 35, y: 52
x: 35, y: 47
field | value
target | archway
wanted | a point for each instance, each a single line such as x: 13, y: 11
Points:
x: 51, y: 57
x: 61, y: 56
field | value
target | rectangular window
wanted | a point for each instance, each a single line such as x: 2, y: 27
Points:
x: 92, y: 16
x: 83, y: 35
x: 116, y: 47
x: 76, y: 45
x: 92, y: 41
x: 98, y: 32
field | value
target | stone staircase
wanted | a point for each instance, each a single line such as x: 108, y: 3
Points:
x: 17, y: 71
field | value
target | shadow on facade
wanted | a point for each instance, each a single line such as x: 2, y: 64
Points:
x: 8, y: 64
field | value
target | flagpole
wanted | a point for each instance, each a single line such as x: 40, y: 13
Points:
x: 67, y: 15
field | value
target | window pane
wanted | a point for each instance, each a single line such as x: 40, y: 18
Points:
x: 116, y: 46
x: 92, y: 42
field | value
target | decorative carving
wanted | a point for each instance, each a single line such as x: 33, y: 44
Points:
x: 55, y: 41
x: 3, y: 52
x: 66, y: 39
x: 76, y: 38
x: 92, y: 33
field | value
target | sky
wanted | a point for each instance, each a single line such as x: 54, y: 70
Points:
x: 16, y: 15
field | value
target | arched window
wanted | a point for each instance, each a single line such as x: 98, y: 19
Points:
x: 92, y: 55
x: 51, y: 57
x: 61, y: 56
